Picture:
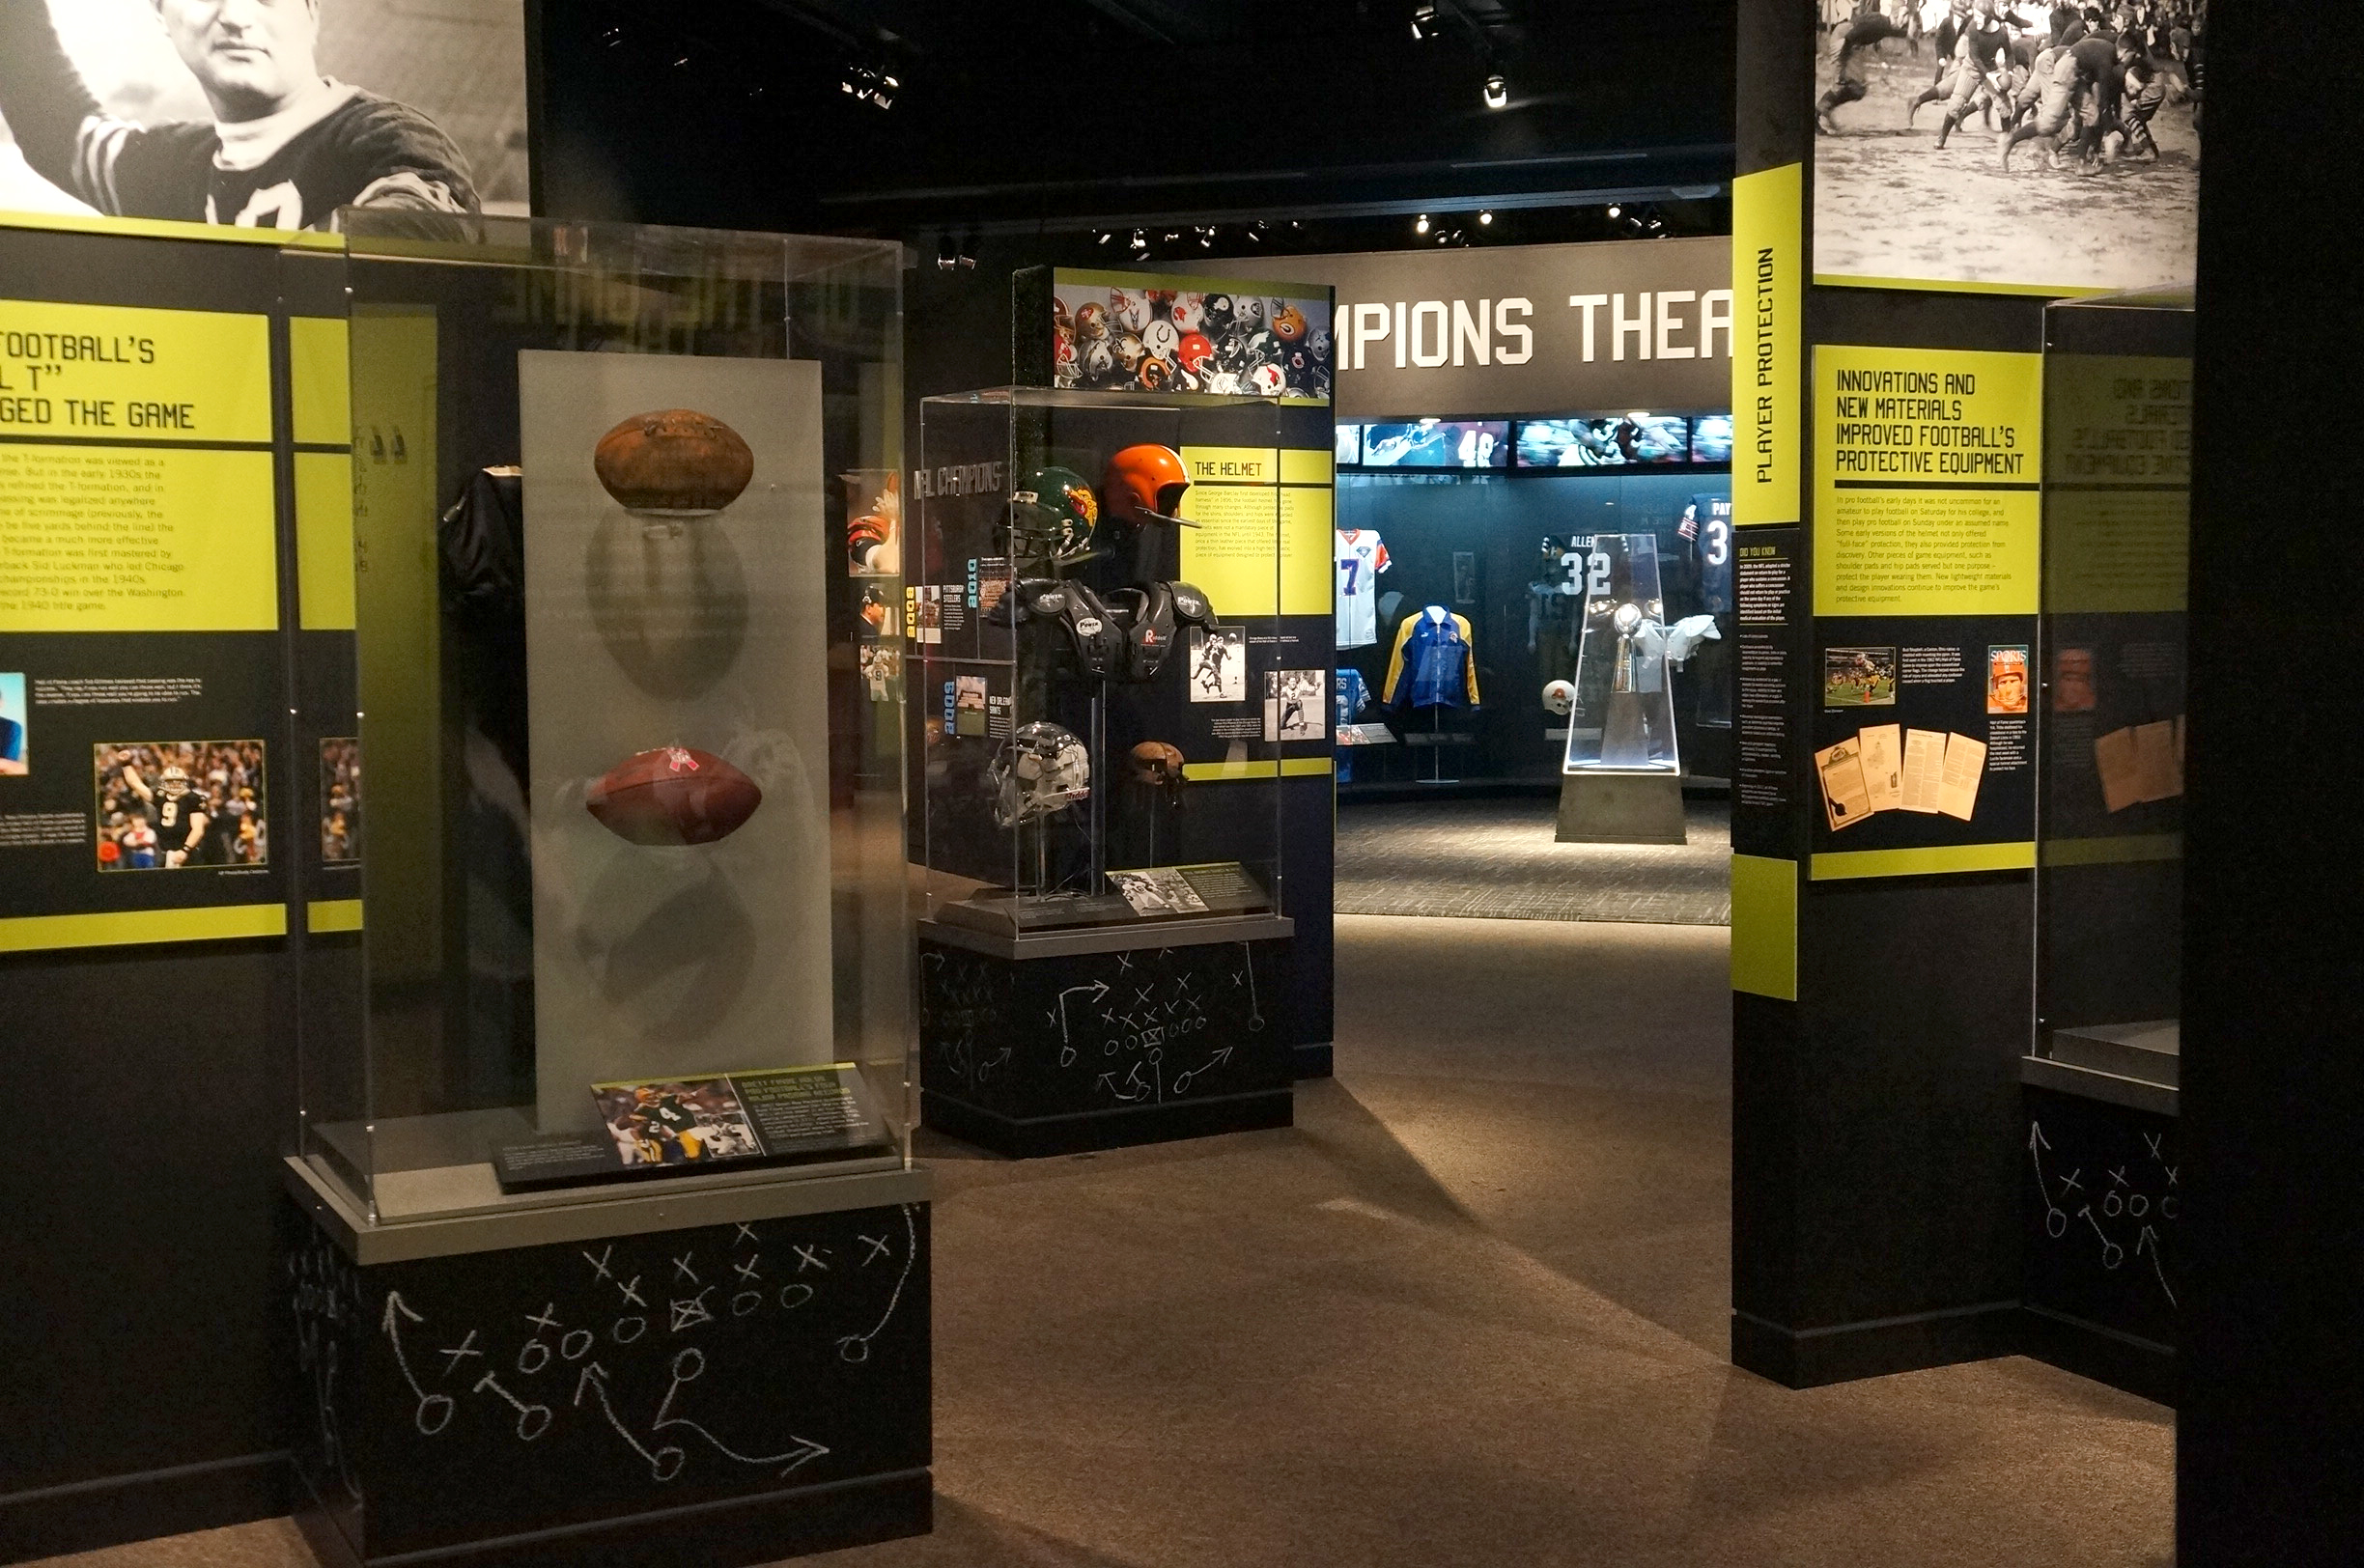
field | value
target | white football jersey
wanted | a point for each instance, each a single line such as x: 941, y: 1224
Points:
x: 1360, y: 558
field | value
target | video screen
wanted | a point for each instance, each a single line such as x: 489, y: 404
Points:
x: 1711, y: 438
x: 1438, y: 443
x: 1349, y: 444
x: 1607, y: 441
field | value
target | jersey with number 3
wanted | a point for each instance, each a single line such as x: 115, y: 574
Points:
x: 1360, y: 558
x: 1707, y: 523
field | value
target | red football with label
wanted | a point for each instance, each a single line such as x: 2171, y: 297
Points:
x: 673, y: 794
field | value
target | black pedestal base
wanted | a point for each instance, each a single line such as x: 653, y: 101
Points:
x: 1813, y: 1357
x: 1060, y: 1052
x: 1037, y: 1137
x: 732, y: 1533
x: 723, y: 1395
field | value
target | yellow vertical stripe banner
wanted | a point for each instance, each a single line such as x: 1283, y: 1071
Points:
x: 1768, y: 388
x: 1764, y: 903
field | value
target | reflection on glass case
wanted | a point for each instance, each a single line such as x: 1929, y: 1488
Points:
x: 1622, y: 715
x: 2117, y: 530
x: 1094, y: 614
x: 633, y: 904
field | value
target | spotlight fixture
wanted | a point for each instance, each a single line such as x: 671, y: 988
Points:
x: 1421, y: 227
x: 1423, y: 22
x: 1485, y: 218
x: 1206, y: 238
x: 1139, y: 241
x: 1173, y: 237
x: 1615, y: 210
x: 1103, y: 237
x: 613, y: 38
x: 1497, y: 92
x: 867, y: 84
x: 681, y: 62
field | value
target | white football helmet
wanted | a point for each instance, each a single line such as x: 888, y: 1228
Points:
x: 1560, y: 696
x: 1040, y: 771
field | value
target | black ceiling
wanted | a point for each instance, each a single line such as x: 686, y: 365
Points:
x: 1028, y: 112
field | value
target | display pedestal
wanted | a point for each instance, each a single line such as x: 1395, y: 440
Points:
x: 726, y: 1374
x: 1621, y: 808
x: 2103, y: 1272
x: 1069, y: 1042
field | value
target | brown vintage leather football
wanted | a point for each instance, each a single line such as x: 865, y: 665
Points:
x: 674, y: 460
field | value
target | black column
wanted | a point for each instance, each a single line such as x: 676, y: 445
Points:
x: 2270, y: 1446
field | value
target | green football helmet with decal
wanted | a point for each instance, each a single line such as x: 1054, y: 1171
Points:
x: 1054, y: 517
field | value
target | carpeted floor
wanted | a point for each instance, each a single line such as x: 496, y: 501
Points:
x: 1497, y: 859
x: 1469, y: 1312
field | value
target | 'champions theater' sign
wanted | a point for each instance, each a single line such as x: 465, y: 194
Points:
x: 1524, y: 329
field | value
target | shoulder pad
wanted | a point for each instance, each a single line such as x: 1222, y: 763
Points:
x: 1191, y: 607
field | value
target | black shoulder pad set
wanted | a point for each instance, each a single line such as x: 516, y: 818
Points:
x: 1123, y: 637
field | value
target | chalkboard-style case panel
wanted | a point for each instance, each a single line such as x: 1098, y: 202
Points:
x: 620, y: 752
x: 2105, y: 1263
x: 720, y: 1394
x: 1057, y: 1054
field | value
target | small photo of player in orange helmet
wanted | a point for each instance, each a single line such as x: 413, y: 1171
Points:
x: 2007, y: 680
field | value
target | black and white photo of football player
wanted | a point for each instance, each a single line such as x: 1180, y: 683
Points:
x: 1219, y: 664
x: 232, y: 111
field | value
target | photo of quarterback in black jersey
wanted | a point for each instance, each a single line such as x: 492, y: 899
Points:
x: 280, y: 144
x: 175, y: 805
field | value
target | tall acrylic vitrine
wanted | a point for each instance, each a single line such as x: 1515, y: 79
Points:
x: 607, y: 974
x: 2109, y: 807
x: 1094, y: 620
x: 1623, y: 718
x: 1105, y: 707
x: 612, y: 747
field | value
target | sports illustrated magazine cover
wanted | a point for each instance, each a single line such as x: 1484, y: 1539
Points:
x: 262, y: 113
x: 2035, y: 146
x: 683, y: 1122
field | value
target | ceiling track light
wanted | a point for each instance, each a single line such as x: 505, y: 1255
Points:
x: 1423, y: 22
x: 1420, y: 226
x: 867, y: 84
x: 1497, y: 90
x: 1485, y: 218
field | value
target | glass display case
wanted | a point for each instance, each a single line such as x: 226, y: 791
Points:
x: 623, y: 680
x: 2116, y: 529
x: 1509, y: 552
x: 1622, y: 715
x: 1094, y: 619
